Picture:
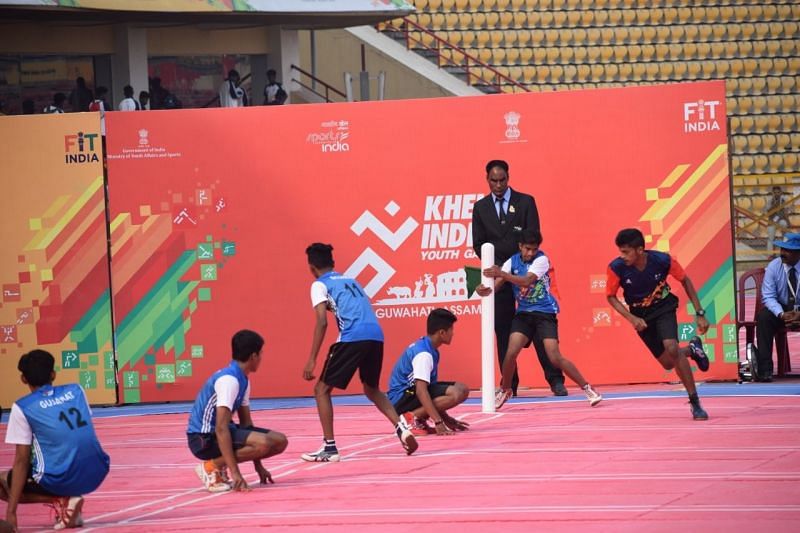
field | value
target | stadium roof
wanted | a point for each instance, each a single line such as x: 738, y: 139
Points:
x: 301, y: 14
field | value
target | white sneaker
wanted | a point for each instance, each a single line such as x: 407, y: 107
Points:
x: 501, y: 397
x: 322, y: 455
x: 68, y: 512
x: 592, y: 395
x: 213, y: 481
x: 406, y: 436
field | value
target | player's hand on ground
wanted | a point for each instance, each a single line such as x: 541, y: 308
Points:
x: 442, y: 429
x: 702, y: 325
x: 239, y: 484
x: 640, y: 325
x: 11, y: 518
x: 493, y: 271
x: 263, y: 474
x: 483, y: 290
x: 454, y: 424
x: 308, y: 371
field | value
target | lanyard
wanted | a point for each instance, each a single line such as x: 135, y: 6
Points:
x: 792, y: 290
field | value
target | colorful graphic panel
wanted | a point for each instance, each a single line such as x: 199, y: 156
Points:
x: 212, y: 210
x: 54, y: 267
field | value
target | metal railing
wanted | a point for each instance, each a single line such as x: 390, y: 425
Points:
x: 458, y: 57
x: 328, y: 88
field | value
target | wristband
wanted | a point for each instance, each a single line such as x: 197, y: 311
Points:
x: 439, y: 422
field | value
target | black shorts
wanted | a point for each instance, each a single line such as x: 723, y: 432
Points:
x: 659, y: 328
x: 345, y: 357
x: 31, y: 486
x: 204, y: 445
x: 410, y: 400
x: 536, y: 324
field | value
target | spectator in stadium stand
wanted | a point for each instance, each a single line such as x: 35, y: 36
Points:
x: 81, y: 96
x: 231, y: 94
x: 157, y: 93
x: 499, y: 218
x: 776, y: 219
x: 274, y: 94
x: 144, y: 100
x: 57, y: 106
x: 129, y: 103
x: 28, y: 107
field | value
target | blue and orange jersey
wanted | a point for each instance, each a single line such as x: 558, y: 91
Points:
x: 644, y: 288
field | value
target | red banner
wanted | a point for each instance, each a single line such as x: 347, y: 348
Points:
x: 212, y: 210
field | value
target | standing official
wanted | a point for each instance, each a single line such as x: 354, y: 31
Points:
x: 499, y: 218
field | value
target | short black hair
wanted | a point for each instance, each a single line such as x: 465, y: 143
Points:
x: 440, y: 318
x: 245, y: 343
x: 128, y: 91
x: 530, y: 236
x: 37, y: 367
x: 59, y: 98
x: 320, y: 255
x: 272, y: 71
x: 496, y: 163
x: 233, y: 73
x: 630, y: 237
x: 101, y: 91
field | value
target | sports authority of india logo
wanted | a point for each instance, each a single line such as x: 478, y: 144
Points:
x: 81, y: 148
x: 333, y: 136
x: 143, y: 140
x: 700, y: 116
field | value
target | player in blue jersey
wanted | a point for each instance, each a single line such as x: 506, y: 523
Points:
x: 530, y: 273
x: 359, y: 347
x: 415, y: 389
x: 213, y: 437
x: 652, y: 307
x: 58, y: 458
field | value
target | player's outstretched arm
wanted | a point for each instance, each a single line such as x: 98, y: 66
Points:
x: 22, y: 461
x: 702, y: 322
x: 320, y: 327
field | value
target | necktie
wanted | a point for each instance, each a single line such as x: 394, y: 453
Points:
x: 500, y: 212
x: 792, y: 287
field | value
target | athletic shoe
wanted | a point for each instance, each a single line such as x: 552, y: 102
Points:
x: 698, y: 413
x: 212, y: 481
x: 558, y: 390
x: 323, y: 455
x: 592, y: 395
x: 501, y: 397
x: 68, y: 512
x: 697, y: 353
x: 407, y: 438
x: 418, y: 427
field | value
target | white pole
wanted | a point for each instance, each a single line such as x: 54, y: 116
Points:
x: 487, y: 332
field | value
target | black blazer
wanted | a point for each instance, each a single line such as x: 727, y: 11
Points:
x: 486, y: 225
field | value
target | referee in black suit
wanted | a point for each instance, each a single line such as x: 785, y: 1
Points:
x: 499, y: 218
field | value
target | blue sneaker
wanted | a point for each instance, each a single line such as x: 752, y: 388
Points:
x: 697, y: 354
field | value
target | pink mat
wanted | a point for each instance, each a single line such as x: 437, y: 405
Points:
x: 628, y: 465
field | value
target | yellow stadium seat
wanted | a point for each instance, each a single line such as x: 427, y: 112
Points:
x: 496, y: 38
x: 551, y: 37
x: 537, y: 37
x: 649, y: 34
x: 421, y: 5
x: 434, y: 5
x: 525, y: 55
x: 692, y: 31
x: 523, y: 38
x: 570, y: 73
x: 703, y: 50
x: 556, y: 73
x: 665, y: 71
x: 736, y: 124
x: 512, y: 56
x: 773, y: 84
x: 680, y: 69
x: 542, y: 73
x: 776, y: 163
x: 721, y: 69
x: 467, y: 38
x: 502, y: 5
x: 574, y: 17
x: 639, y: 71
x: 790, y: 162
x: 656, y: 16
x: 763, y: 30
x: 528, y: 74
x: 759, y: 104
x: 607, y: 35
x: 579, y: 36
x: 594, y: 53
x: 611, y: 72
x: 760, y: 123
x: 652, y: 71
x: 448, y: 5
x: 567, y: 53
x: 788, y: 121
x: 482, y: 38
x: 485, y: 55
x: 708, y: 69
x: 620, y: 53
x: 764, y: 66
x: 795, y: 141
x: 761, y: 164
x: 684, y: 15
x: 634, y: 52
x: 593, y: 36
x: 546, y: 19
x: 601, y: 17
x: 465, y: 20
x: 783, y: 141
x: 625, y: 71
x: 747, y: 124
x: 520, y: 19
x: 788, y: 83
x: 427, y: 40
x: 437, y: 21
x: 566, y: 36
x: 587, y: 17
x: 739, y: 143
x: 489, y: 5
x: 759, y: 204
x: 462, y: 5
x: 453, y: 37
x: 734, y: 32
x: 768, y: 142
x: 598, y: 72
x: 695, y: 69
x: 629, y: 17
x: 580, y: 53
x: 498, y: 56
x: 553, y: 54
x: 451, y: 21
x: 534, y: 18
x: 584, y: 72
x: 759, y: 85
x: 559, y: 18
x: 510, y: 37
x: 515, y: 73
x: 492, y: 20
x: 478, y: 21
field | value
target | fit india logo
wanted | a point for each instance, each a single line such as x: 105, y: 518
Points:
x: 700, y: 116
x: 81, y: 148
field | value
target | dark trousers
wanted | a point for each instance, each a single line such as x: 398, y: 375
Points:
x: 504, y: 310
x: 767, y: 325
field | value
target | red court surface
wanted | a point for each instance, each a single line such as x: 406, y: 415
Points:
x: 637, y: 462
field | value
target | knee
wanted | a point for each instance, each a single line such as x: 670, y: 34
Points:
x: 277, y: 442
x: 462, y: 392
x: 321, y: 389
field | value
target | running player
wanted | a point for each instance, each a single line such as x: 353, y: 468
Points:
x: 652, y: 308
x: 414, y: 388
x: 213, y: 437
x: 359, y: 347
x: 58, y: 458
x: 529, y: 272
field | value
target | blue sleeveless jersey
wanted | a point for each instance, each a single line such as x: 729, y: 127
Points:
x: 354, y: 315
x: 67, y: 459
x: 537, y: 297
x: 203, y: 418
x: 403, y: 371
